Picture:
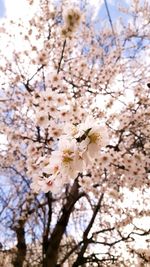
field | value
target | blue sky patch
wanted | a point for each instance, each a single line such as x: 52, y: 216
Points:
x: 2, y: 8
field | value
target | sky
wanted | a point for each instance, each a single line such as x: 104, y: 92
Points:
x: 14, y: 8
x: 8, y: 7
x: 2, y: 8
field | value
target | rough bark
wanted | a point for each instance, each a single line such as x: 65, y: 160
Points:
x: 21, y: 246
x: 56, y: 236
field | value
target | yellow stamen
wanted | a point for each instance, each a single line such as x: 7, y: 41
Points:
x: 67, y: 159
x: 94, y: 137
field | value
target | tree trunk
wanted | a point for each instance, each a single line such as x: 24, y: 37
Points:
x: 56, y: 237
x: 21, y: 247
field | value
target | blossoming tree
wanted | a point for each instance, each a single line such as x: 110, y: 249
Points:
x: 75, y: 113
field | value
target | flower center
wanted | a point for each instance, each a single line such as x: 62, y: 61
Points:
x: 94, y: 137
x: 67, y: 159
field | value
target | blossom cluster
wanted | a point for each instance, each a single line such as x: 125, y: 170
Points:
x: 72, y: 18
x: 76, y: 150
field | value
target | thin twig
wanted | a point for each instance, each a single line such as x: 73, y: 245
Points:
x: 62, y: 53
x: 109, y: 17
